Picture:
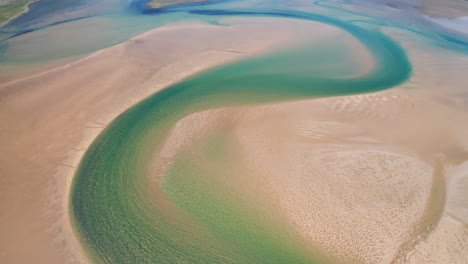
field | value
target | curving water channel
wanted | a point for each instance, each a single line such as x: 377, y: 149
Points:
x: 191, y: 212
x: 120, y: 221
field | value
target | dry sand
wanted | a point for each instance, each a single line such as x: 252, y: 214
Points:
x: 372, y: 178
x: 51, y: 114
x: 361, y: 177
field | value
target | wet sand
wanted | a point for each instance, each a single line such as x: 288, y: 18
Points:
x: 50, y: 118
x: 372, y: 178
x: 353, y: 174
x: 334, y: 166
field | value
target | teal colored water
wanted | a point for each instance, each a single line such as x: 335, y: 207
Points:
x: 192, y: 215
x: 39, y: 35
x: 190, y: 219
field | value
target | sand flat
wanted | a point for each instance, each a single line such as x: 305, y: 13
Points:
x: 370, y: 178
x: 328, y: 146
x: 50, y: 118
x: 350, y: 186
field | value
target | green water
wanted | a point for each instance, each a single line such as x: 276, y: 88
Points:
x: 205, y: 183
x: 191, y: 218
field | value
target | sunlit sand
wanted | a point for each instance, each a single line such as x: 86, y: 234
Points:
x: 76, y: 100
x: 366, y: 178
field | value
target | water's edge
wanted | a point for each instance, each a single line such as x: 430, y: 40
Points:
x: 109, y: 205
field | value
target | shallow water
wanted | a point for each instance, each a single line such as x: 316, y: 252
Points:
x: 108, y: 191
x: 40, y: 29
x: 117, y: 218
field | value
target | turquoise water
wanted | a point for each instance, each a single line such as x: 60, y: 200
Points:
x: 192, y: 219
x: 192, y: 215
x: 37, y: 36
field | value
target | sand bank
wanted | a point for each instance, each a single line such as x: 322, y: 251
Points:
x: 163, y: 3
x: 339, y: 148
x: 372, y: 178
x: 10, y: 10
x: 51, y: 117
x: 354, y: 175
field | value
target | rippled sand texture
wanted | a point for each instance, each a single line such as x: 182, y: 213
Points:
x: 372, y: 178
x: 343, y: 173
x: 51, y: 114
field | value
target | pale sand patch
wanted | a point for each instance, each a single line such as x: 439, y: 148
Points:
x: 448, y: 8
x: 437, y: 72
x: 449, y: 242
x: 440, y: 75
x: 358, y: 177
x: 419, y: 127
x: 49, y: 119
x: 11, y: 73
x: 357, y: 201
x: 457, y: 199
x: 363, y: 177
